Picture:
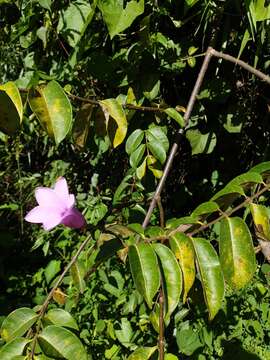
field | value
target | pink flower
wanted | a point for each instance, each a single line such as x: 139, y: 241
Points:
x: 55, y: 206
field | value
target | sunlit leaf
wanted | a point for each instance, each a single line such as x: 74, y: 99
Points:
x: 114, y: 109
x: 134, y: 140
x: 77, y: 272
x: 205, y: 208
x: 261, y: 219
x: 61, y: 317
x: 13, y: 348
x: 144, y: 269
x: 74, y: 20
x: 174, y: 114
x: 17, y: 323
x: 172, y: 278
x: 182, y: 248
x: 236, y: 250
x: 137, y: 156
x: 210, y: 275
x: 58, y: 342
x: 52, y: 108
x: 201, y: 143
x: 117, y: 17
x: 11, y: 108
x: 142, y: 353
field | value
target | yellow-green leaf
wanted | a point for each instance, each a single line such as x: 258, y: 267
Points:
x: 236, y: 252
x: 182, y: 248
x: 143, y: 353
x: 52, y: 107
x: 13, y: 348
x: 17, y: 323
x: 57, y: 342
x: 114, y: 109
x: 13, y: 92
x: 11, y: 108
x: 261, y: 219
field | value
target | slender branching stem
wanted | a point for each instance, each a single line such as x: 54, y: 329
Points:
x: 50, y: 295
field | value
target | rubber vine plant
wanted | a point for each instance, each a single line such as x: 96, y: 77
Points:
x: 164, y: 260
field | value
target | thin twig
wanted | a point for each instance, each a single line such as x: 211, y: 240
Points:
x: 176, y: 143
x: 161, y: 213
x: 161, y: 324
x: 50, y: 295
x: 241, y: 63
x: 209, y: 53
x: 224, y: 214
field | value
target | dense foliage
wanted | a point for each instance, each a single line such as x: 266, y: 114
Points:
x: 96, y: 91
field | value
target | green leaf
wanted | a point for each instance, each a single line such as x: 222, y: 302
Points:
x: 227, y: 195
x: 157, y: 134
x: 11, y: 108
x: 262, y: 168
x: 261, y: 219
x: 174, y: 114
x: 190, y: 3
x: 46, y: 4
x: 246, y: 179
x: 182, y: 248
x: 17, y: 323
x: 112, y: 108
x: 77, y: 273
x: 118, y: 18
x: 185, y: 220
x: 74, y: 20
x: 134, y: 140
x: 170, y: 357
x: 210, y: 275
x: 188, y: 340
x: 137, y: 156
x: 61, y: 317
x: 81, y: 125
x: 13, y: 348
x: 205, y: 208
x: 52, y: 269
x: 144, y: 269
x: 57, y: 342
x: 157, y: 151
x: 236, y: 250
x: 125, y: 334
x: 142, y: 353
x: 201, y: 143
x: 172, y: 278
x: 52, y: 108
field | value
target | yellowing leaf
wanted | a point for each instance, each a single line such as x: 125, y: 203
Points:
x: 114, y: 109
x: 11, y: 108
x: 52, y: 108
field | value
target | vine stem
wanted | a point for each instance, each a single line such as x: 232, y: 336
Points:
x: 50, y: 295
x: 209, y: 53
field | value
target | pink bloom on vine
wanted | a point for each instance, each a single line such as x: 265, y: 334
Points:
x: 55, y: 206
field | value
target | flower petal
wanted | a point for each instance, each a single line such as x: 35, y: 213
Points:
x: 61, y: 189
x: 49, y: 217
x: 74, y: 219
x: 47, y: 198
x: 52, y: 221
x: 36, y: 215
